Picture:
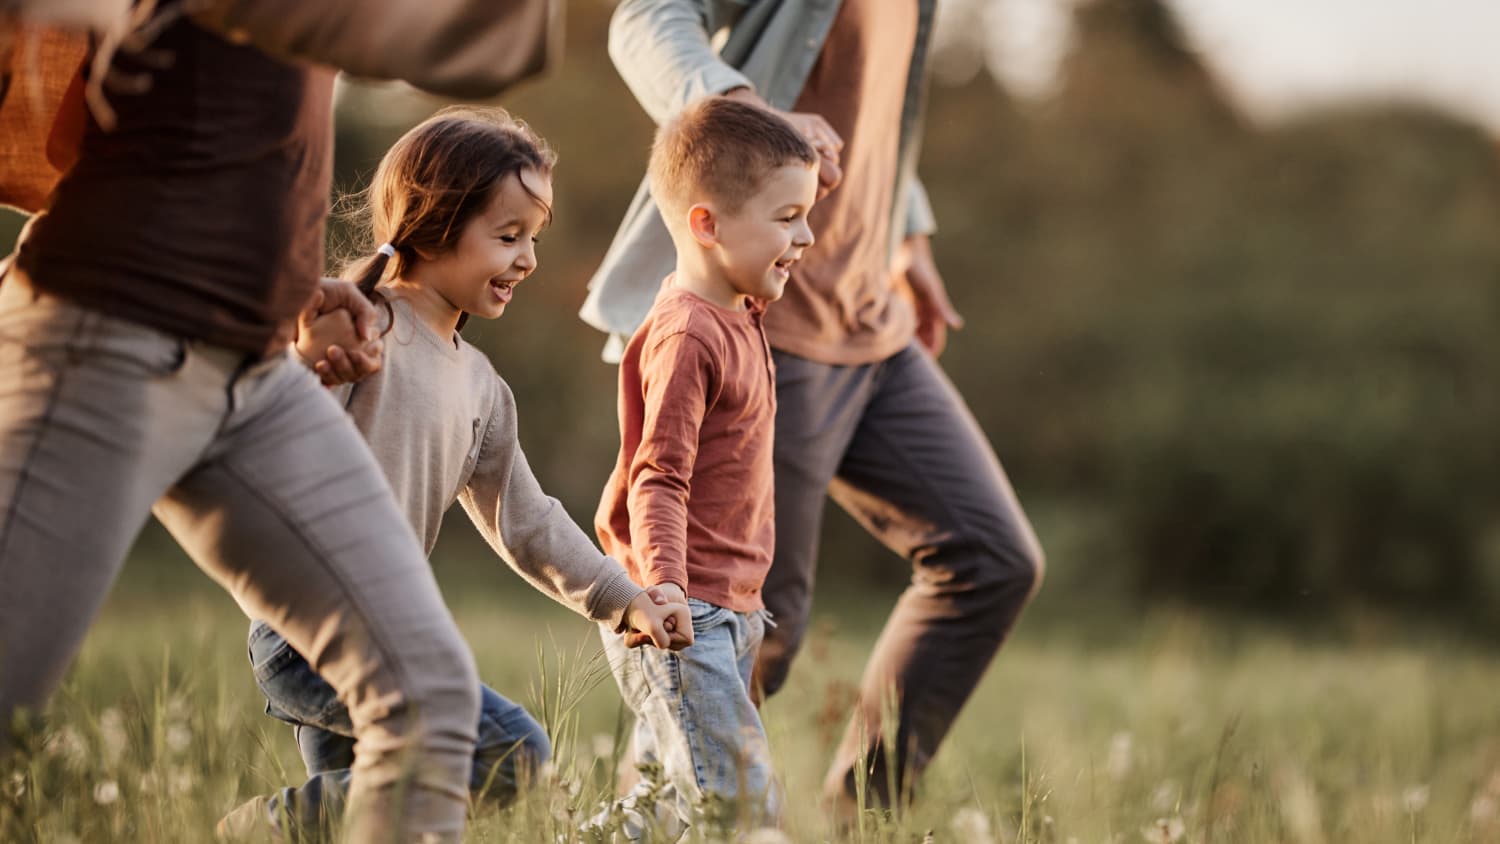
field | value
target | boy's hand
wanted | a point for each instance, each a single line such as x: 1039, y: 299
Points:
x: 336, y: 334
x: 659, y: 616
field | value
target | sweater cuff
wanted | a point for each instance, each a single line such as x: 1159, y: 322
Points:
x: 612, y: 597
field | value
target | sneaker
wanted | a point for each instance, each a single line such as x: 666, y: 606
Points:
x: 249, y: 823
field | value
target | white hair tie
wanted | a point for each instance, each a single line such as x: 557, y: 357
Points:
x: 387, y: 250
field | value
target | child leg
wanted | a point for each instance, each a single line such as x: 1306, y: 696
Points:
x: 708, y: 735
x: 512, y: 746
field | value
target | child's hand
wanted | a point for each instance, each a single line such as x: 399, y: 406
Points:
x: 330, y: 342
x: 659, y: 616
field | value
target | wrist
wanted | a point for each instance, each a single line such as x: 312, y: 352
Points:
x: 746, y: 94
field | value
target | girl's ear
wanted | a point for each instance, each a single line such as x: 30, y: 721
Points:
x: 424, y: 254
x: 703, y: 225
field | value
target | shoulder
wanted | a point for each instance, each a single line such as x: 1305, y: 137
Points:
x: 686, y: 319
x: 484, y: 379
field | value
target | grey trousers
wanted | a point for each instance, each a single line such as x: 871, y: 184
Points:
x: 894, y: 444
x: 267, y: 485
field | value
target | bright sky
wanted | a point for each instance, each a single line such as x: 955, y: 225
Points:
x: 1279, y: 56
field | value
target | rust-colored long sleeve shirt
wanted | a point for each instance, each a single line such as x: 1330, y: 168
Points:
x: 690, y: 500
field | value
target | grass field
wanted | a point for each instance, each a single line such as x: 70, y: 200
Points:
x: 1166, y: 727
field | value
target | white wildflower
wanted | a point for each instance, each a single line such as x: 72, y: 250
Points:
x: 179, y: 737
x: 766, y: 835
x: 112, y: 735
x: 182, y: 781
x: 603, y: 745
x: 1164, y: 831
x: 106, y: 792
x: 68, y: 744
x: 1483, y: 810
x: 1415, y: 798
x: 971, y: 826
x: 1119, y: 761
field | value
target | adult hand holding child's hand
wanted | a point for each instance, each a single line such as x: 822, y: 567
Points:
x: 336, y: 334
x: 659, y: 616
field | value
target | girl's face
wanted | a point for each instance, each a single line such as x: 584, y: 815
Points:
x: 496, y: 250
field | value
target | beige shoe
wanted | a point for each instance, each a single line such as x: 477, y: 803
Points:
x: 249, y: 823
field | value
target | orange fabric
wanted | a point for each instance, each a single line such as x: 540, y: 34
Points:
x: 691, y: 501
x: 841, y: 307
x: 42, y: 115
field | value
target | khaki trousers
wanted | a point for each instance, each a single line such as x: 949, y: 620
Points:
x: 267, y: 485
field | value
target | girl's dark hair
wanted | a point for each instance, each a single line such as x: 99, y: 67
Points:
x: 433, y: 181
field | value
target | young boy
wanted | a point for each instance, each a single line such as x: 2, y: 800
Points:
x: 689, y: 508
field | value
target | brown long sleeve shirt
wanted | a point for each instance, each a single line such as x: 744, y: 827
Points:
x: 690, y: 500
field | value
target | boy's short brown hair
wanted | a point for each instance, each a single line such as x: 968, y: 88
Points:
x: 721, y: 149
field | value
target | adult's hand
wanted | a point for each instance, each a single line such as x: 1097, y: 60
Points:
x: 337, y: 334
x: 818, y: 132
x: 935, y: 312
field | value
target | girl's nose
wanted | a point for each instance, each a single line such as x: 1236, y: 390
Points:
x: 527, y: 259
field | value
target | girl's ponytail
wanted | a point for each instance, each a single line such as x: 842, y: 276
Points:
x: 369, y: 272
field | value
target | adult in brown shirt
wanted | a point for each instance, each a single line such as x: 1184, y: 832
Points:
x: 864, y: 413
x: 143, y: 362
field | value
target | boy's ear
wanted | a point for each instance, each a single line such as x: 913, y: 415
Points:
x: 703, y: 225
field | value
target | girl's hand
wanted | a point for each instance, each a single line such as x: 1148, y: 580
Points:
x: 659, y: 616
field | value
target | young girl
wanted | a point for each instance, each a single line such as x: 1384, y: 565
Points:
x: 457, y: 205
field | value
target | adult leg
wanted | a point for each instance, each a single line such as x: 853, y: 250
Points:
x: 290, y: 512
x: 818, y: 408
x: 97, y: 417
x: 920, y: 476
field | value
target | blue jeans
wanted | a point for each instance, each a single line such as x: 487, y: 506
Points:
x: 694, y: 718
x: 511, y: 748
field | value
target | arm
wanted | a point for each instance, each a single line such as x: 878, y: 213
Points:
x: 663, y: 51
x: 676, y: 377
x: 914, y: 265
x: 459, y: 48
x: 533, y: 534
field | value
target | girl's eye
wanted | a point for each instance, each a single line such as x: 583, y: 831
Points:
x: 508, y: 238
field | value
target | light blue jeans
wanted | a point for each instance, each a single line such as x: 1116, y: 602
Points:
x: 512, y: 746
x: 695, y: 719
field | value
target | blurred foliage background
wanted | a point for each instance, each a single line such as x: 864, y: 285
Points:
x: 1248, y: 368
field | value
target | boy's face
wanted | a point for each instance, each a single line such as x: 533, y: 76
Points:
x: 759, y: 243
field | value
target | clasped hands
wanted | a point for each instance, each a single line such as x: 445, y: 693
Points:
x: 659, y: 616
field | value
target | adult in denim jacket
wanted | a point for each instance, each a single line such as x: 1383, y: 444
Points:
x: 872, y: 422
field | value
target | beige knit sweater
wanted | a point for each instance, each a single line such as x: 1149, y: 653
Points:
x: 442, y: 424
